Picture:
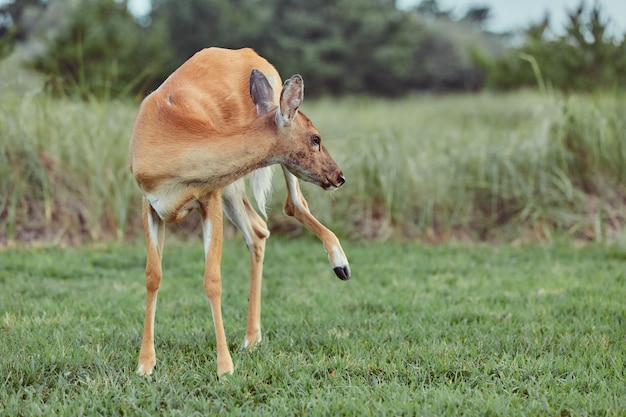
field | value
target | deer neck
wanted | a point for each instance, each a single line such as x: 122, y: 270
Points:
x: 244, y: 150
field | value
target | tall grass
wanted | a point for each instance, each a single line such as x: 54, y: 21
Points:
x: 487, y: 166
x: 64, y: 170
x: 522, y: 165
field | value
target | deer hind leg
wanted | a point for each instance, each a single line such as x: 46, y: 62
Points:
x: 155, y: 232
x: 240, y: 212
x: 211, y: 210
x: 296, y: 206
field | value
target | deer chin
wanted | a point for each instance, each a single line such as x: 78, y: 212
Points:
x: 322, y: 182
x: 329, y: 186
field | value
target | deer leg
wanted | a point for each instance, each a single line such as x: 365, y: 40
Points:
x: 296, y: 206
x: 254, y: 229
x: 211, y: 209
x: 155, y: 231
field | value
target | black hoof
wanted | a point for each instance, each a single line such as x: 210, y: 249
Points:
x: 342, y: 272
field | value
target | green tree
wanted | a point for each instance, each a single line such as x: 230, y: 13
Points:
x: 13, y: 28
x: 196, y: 24
x: 339, y: 46
x: 103, y: 52
x: 345, y: 46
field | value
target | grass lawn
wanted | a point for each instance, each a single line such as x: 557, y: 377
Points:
x: 534, y: 330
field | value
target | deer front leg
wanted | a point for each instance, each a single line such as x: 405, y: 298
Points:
x: 296, y: 206
x: 155, y: 231
x: 211, y: 209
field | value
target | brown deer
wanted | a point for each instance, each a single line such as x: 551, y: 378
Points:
x: 218, y: 118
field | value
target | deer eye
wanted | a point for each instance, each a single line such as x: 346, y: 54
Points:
x: 316, y: 140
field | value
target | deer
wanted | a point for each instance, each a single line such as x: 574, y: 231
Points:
x: 219, y: 121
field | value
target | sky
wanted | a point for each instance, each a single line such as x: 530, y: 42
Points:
x: 509, y: 15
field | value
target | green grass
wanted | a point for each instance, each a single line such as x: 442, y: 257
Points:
x: 420, y: 330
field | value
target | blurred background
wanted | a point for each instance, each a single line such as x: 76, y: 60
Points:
x: 478, y: 120
x: 388, y: 48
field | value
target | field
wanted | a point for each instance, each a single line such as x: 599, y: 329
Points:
x: 420, y: 330
x: 517, y: 310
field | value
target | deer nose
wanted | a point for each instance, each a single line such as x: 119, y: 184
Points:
x: 341, y: 180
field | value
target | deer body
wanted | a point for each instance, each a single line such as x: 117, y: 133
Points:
x: 220, y: 117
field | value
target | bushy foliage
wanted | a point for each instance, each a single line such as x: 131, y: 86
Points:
x: 585, y: 57
x: 346, y: 46
x: 102, y: 52
x: 339, y: 46
x: 6, y: 44
x: 10, y: 31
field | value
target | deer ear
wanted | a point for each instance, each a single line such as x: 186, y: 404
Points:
x: 290, y: 99
x: 261, y: 92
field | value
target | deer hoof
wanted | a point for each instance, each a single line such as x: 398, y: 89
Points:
x: 145, y: 370
x: 342, y: 272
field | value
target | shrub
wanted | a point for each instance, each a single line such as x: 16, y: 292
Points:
x: 584, y: 58
x: 102, y: 52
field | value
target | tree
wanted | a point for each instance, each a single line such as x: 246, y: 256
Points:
x: 585, y: 57
x: 339, y: 46
x: 102, y: 52
x: 14, y: 27
x: 431, y: 8
x: 196, y: 24
x: 478, y: 15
